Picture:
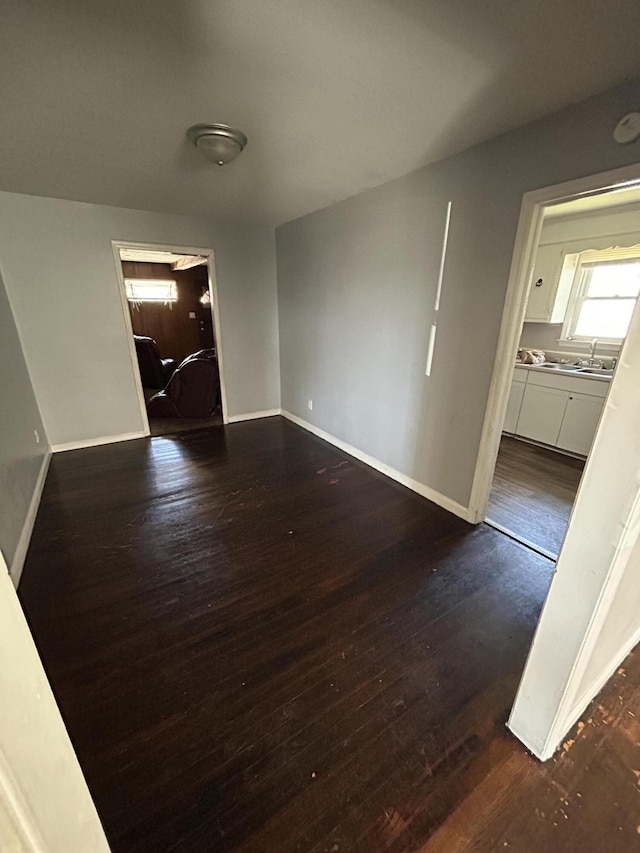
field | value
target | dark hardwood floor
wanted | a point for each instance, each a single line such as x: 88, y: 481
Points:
x: 170, y: 426
x: 259, y: 644
x: 533, y: 492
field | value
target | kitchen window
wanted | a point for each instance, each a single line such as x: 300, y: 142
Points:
x: 604, y: 293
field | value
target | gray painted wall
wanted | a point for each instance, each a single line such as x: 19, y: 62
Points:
x: 20, y: 456
x: 60, y: 274
x: 356, y: 287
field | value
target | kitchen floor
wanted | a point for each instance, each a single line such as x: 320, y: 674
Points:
x: 533, y: 492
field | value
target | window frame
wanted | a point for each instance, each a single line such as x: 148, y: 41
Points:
x: 586, y: 262
x: 131, y: 283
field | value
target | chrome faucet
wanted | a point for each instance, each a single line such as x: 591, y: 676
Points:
x: 594, y: 344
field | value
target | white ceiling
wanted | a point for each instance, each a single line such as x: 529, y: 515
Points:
x: 334, y: 95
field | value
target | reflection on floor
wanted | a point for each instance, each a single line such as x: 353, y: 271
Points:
x: 533, y: 492
x: 169, y: 426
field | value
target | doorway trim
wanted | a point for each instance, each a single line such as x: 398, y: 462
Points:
x: 116, y: 245
x: 526, y: 243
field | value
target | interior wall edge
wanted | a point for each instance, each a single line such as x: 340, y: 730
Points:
x: 25, y: 356
x: 587, y: 696
x: 17, y: 564
x: 404, y: 480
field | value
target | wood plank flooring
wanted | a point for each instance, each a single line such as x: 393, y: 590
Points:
x: 533, y: 492
x: 586, y: 798
x: 259, y: 644
x: 170, y: 426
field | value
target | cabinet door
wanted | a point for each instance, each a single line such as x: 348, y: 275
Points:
x: 541, y: 413
x: 513, y: 406
x: 544, y: 284
x: 580, y: 423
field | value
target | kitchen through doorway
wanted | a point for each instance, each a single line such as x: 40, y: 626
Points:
x: 583, y: 291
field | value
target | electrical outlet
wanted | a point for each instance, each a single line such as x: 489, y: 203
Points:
x: 37, y: 435
x: 310, y: 405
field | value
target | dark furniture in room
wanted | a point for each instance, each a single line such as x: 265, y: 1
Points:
x: 155, y: 371
x: 193, y: 390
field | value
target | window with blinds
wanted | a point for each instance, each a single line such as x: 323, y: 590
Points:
x: 151, y: 290
x: 604, y: 293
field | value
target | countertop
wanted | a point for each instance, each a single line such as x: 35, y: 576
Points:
x: 541, y: 369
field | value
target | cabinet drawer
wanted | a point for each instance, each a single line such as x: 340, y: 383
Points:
x: 562, y: 382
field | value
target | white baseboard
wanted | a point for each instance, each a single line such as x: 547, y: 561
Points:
x: 252, y: 416
x: 17, y: 564
x: 415, y: 486
x: 94, y: 442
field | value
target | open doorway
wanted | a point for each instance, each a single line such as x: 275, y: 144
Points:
x: 583, y: 287
x: 171, y: 311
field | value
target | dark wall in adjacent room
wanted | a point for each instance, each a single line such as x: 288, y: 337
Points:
x: 177, y: 334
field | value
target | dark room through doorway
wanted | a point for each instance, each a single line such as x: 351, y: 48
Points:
x: 170, y: 306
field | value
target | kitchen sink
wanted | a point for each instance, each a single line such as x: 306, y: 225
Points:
x: 597, y: 371
x: 576, y: 368
x: 549, y: 366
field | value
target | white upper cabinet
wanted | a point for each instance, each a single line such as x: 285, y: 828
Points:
x: 544, y: 285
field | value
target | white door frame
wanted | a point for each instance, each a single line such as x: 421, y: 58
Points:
x: 215, y: 313
x: 527, y: 237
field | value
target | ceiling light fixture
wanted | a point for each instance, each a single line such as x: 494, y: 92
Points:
x: 218, y: 142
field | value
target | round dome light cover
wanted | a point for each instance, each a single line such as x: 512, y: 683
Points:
x: 218, y: 142
x: 628, y: 129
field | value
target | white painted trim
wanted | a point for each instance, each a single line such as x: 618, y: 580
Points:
x: 252, y: 416
x: 563, y: 719
x: 415, y: 486
x: 559, y: 731
x: 15, y: 806
x: 42, y: 789
x: 215, y: 313
x: 20, y: 555
x: 587, y: 696
x: 115, y: 248
x: 217, y: 327
x: 95, y: 442
x: 527, y: 237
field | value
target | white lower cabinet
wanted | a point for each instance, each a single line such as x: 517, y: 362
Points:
x: 580, y: 423
x: 513, y: 406
x: 550, y: 409
x: 541, y: 413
